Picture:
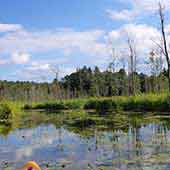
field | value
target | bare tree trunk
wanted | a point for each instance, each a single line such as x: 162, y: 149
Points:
x: 132, y: 66
x: 165, y: 47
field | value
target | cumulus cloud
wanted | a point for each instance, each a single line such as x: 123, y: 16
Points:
x: 92, y: 43
x: 3, y: 61
x: 21, y: 45
x: 143, y: 37
x: 66, y: 41
x: 20, y: 58
x: 142, y: 34
x: 139, y: 9
x: 149, y: 5
x: 124, y: 15
x: 44, y: 70
x: 10, y: 27
x: 18, y: 43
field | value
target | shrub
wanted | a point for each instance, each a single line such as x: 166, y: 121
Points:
x: 102, y: 105
x: 91, y: 104
x: 50, y: 106
x: 73, y: 105
x: 27, y: 107
x: 5, y: 112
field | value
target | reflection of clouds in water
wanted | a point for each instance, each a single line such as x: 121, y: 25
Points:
x: 61, y: 147
x: 39, y: 138
x: 24, y: 152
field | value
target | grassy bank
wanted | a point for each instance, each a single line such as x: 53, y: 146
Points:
x: 151, y: 102
x: 58, y: 105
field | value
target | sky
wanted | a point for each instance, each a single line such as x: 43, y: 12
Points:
x: 40, y: 37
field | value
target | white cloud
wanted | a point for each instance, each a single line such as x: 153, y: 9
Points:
x: 125, y: 15
x: 10, y: 27
x: 143, y: 36
x: 91, y: 44
x: 42, y: 67
x: 149, y: 5
x: 3, y: 61
x: 139, y: 9
x: 66, y: 41
x: 17, y: 43
x: 44, y: 70
x: 20, y: 58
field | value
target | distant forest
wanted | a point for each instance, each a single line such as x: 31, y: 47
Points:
x: 86, y: 82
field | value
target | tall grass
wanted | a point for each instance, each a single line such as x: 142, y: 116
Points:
x: 58, y: 105
x: 149, y: 102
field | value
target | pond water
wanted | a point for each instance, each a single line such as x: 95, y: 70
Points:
x: 70, y: 141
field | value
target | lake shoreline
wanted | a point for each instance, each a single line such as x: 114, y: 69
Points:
x: 140, y: 103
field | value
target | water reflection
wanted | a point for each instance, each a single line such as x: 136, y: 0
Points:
x: 82, y: 141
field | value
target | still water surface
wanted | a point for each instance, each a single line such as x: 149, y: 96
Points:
x: 61, y: 141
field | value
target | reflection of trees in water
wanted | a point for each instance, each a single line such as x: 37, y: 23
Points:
x: 134, y: 138
x: 137, y: 145
x: 140, y: 144
x: 60, y: 143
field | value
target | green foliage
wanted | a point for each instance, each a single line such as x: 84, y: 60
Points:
x: 27, y: 107
x: 58, y: 105
x: 50, y: 106
x: 150, y: 102
x: 74, y: 104
x: 5, y: 113
x: 102, y: 105
x: 134, y: 103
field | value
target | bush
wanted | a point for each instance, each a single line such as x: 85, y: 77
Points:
x: 50, y: 106
x: 91, y: 104
x: 102, y: 105
x: 5, y: 112
x: 133, y: 103
x: 27, y: 107
x: 73, y: 105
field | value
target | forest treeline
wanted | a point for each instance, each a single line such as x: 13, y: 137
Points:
x: 86, y: 82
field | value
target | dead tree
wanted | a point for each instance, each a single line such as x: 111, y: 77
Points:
x: 132, y: 66
x: 112, y: 64
x: 57, y: 89
x: 164, y: 47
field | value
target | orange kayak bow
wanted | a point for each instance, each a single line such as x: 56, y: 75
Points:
x: 31, y: 165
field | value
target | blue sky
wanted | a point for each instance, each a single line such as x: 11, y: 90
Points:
x: 78, y: 14
x: 40, y: 36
